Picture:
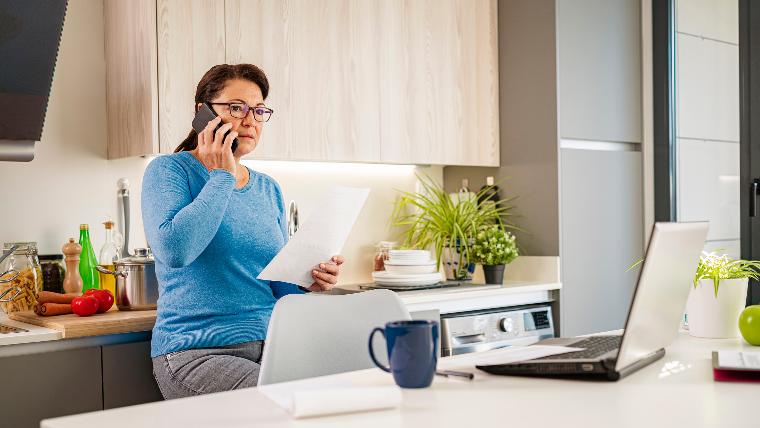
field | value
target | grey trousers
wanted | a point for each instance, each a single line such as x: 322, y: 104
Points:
x: 203, y: 371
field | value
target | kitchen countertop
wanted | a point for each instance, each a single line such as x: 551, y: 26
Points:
x: 675, y: 391
x: 470, y: 297
x: 33, y: 333
x: 446, y: 300
x: 527, y: 280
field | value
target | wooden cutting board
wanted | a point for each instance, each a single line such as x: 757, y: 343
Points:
x: 71, y: 325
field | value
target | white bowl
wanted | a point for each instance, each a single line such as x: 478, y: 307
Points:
x: 409, y: 261
x: 405, y: 269
x: 409, y: 254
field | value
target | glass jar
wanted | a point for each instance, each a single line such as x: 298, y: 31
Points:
x: 53, y: 272
x: 382, y: 254
x: 20, y: 277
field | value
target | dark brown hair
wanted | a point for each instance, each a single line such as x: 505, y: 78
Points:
x: 211, y: 85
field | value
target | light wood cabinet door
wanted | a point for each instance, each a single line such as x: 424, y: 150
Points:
x: 323, y: 75
x: 131, y: 90
x: 389, y: 81
x: 374, y: 80
x: 190, y: 38
x: 439, y: 82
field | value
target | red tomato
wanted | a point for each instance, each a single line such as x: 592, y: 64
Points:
x: 84, y: 305
x: 90, y: 291
x: 105, y: 300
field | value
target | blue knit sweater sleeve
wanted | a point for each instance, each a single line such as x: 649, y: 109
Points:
x: 280, y: 289
x: 176, y: 225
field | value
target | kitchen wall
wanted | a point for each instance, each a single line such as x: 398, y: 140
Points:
x: 70, y: 181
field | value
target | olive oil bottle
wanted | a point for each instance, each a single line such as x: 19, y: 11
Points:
x: 109, y: 253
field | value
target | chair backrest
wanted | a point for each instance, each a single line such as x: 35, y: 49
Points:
x: 318, y: 335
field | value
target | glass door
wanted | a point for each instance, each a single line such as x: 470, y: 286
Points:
x: 707, y: 150
x: 707, y: 120
x: 749, y: 78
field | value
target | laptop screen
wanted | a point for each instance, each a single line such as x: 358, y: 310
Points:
x: 659, y: 300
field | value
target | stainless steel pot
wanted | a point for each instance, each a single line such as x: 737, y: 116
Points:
x: 136, y: 283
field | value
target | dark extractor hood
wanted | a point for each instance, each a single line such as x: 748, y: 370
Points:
x: 30, y: 33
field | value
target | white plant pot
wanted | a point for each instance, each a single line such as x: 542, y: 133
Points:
x: 713, y: 317
x: 450, y: 259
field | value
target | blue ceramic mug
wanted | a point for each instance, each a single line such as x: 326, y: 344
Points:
x: 412, y: 351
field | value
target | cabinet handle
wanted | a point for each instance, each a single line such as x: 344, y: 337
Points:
x: 753, y: 197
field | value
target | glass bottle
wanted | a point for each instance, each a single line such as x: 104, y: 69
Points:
x: 87, y: 261
x: 382, y: 254
x: 109, y: 253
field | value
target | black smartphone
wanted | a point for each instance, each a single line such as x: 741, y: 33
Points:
x: 205, y: 115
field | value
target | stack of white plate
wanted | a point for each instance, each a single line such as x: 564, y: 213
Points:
x: 412, y: 268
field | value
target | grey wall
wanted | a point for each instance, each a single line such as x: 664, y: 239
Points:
x: 528, y: 124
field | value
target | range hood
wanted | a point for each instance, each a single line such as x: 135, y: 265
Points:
x: 30, y: 33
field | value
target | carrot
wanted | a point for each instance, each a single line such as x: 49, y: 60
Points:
x: 50, y: 309
x: 50, y: 297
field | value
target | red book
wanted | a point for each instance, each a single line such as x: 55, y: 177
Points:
x: 736, y: 366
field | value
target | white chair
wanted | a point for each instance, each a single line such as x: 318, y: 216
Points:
x: 318, y: 335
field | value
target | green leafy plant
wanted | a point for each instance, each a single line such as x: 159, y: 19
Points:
x: 719, y: 266
x: 494, y: 246
x: 432, y: 218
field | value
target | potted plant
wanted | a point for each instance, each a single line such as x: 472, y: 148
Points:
x: 719, y: 294
x: 434, y: 219
x: 494, y: 248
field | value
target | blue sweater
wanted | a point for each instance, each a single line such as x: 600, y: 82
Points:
x: 210, y: 241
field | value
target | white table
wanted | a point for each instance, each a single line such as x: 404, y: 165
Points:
x: 676, y: 391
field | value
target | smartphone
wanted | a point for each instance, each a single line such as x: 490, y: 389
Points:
x: 204, y: 116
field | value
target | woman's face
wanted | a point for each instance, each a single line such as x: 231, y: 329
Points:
x: 248, y: 129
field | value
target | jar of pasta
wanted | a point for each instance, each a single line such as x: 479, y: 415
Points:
x: 20, y: 276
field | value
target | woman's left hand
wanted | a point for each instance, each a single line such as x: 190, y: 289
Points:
x: 326, y: 274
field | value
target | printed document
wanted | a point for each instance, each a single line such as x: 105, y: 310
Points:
x: 320, y: 237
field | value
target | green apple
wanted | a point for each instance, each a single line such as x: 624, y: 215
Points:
x: 749, y: 324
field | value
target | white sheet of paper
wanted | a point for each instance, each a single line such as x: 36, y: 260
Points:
x: 741, y: 360
x: 320, y: 237
x: 508, y: 355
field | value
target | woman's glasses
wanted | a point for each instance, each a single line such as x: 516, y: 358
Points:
x: 240, y: 111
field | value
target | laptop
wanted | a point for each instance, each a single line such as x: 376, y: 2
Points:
x: 653, y: 319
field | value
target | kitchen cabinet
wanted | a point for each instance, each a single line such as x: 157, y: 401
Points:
x: 377, y: 81
x: 128, y: 375
x: 156, y: 52
x: 65, y: 377
x: 131, y: 86
x: 374, y: 81
x: 599, y: 70
x: 50, y: 384
x: 190, y: 41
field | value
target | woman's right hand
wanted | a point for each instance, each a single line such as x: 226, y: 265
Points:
x: 214, y: 150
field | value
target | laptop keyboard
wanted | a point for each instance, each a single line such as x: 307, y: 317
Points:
x: 595, y: 346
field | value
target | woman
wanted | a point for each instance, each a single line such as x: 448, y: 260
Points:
x: 213, y: 225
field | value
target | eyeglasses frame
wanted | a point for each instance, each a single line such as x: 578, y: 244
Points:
x: 271, y: 112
